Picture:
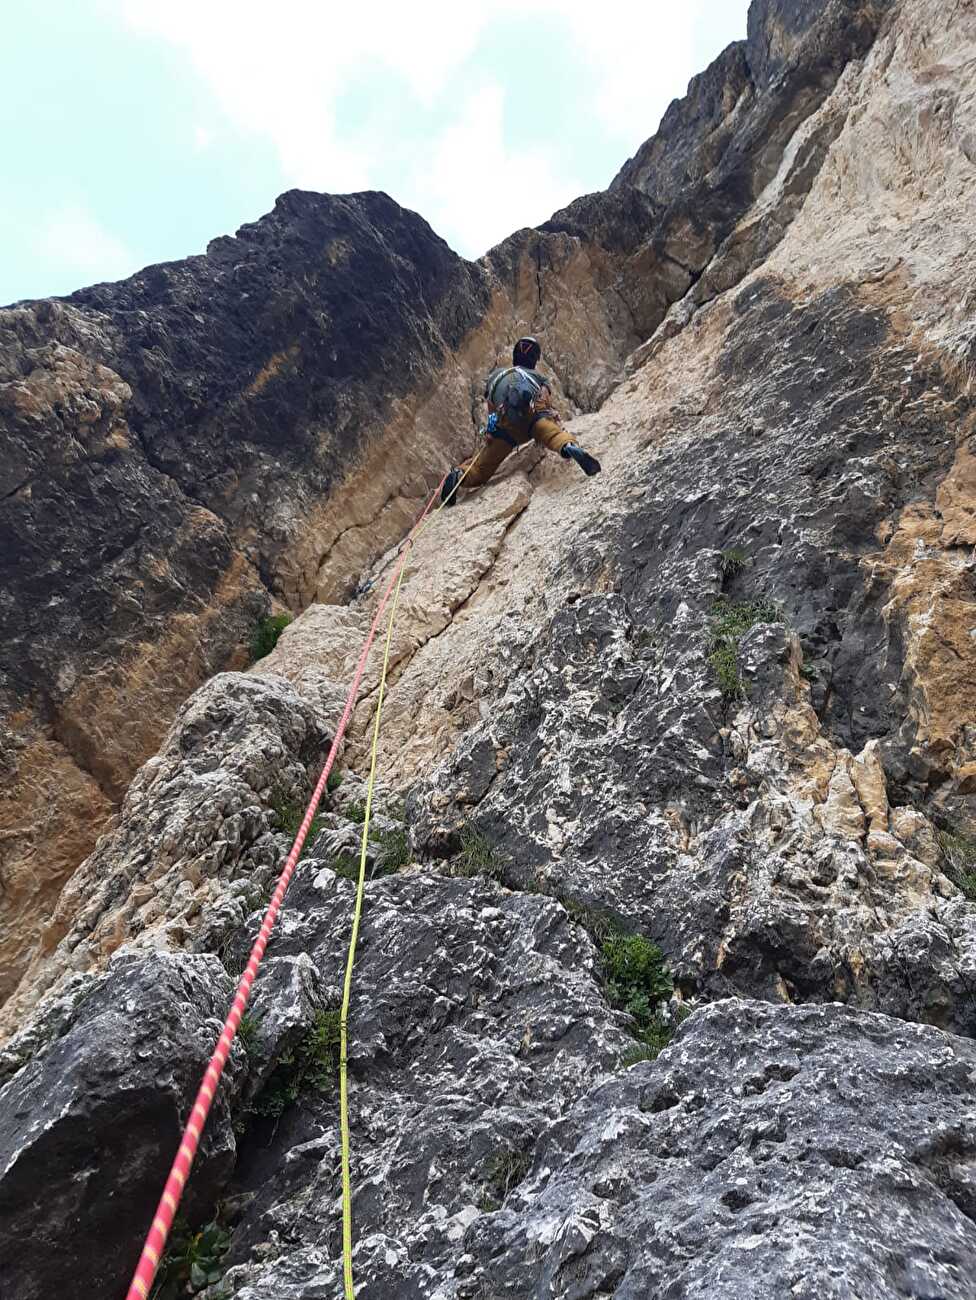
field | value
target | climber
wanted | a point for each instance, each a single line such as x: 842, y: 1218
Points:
x: 518, y: 398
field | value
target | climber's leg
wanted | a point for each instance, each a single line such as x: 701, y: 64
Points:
x: 549, y: 433
x: 486, y: 461
x: 483, y: 465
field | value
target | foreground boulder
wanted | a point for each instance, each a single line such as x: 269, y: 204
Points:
x: 89, y: 1124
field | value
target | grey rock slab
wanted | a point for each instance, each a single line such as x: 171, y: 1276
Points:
x: 770, y: 1152
x: 477, y: 1018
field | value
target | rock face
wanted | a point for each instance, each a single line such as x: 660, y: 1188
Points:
x: 162, y: 478
x: 195, y: 846
x: 764, y: 1155
x: 261, y: 422
x: 721, y: 698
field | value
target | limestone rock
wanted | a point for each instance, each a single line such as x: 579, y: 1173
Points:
x: 91, y: 1112
x: 478, y: 1020
x: 196, y: 846
x: 762, y: 1155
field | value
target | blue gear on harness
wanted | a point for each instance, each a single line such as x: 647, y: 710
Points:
x: 494, y: 430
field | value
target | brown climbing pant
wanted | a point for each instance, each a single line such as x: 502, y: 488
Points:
x: 546, y: 431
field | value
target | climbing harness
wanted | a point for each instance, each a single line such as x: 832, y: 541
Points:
x: 155, y: 1243
x: 493, y: 429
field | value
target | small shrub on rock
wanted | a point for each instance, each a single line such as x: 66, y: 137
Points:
x: 732, y: 561
x: 265, y: 636
x: 288, y: 817
x: 311, y: 1065
x: 959, y: 853
x: 193, y: 1261
x: 731, y: 620
x: 505, y: 1170
x: 636, y: 980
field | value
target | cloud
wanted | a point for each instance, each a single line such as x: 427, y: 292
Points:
x: 278, y: 73
x: 480, y: 188
x: 73, y: 240
x: 632, y: 52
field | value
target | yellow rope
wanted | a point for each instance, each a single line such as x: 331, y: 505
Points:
x: 357, y: 916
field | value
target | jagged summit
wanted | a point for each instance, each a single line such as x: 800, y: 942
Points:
x: 708, y: 718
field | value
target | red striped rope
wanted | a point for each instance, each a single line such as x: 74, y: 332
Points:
x: 155, y: 1244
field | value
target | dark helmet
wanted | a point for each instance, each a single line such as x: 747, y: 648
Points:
x: 526, y: 353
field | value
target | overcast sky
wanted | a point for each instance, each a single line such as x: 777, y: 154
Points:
x: 134, y: 131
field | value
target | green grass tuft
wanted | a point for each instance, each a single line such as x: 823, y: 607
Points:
x: 394, y: 855
x: 959, y: 852
x: 396, y: 851
x: 311, y: 1065
x: 503, y: 1173
x: 265, y: 636
x: 597, y: 924
x: 477, y: 857
x: 732, y: 561
x: 288, y: 817
x: 654, y: 1039
x: 247, y: 1031
x: 346, y: 865
x: 725, y: 664
x: 729, y: 624
x: 648, y: 638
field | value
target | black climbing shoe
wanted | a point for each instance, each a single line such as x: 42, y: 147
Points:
x: 449, y: 490
x: 587, y: 463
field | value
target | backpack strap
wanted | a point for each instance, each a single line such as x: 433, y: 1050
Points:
x: 504, y: 374
x: 493, y: 385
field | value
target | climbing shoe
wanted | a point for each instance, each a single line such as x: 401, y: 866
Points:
x: 449, y: 490
x: 587, y: 463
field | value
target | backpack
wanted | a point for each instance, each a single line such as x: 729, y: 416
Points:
x: 516, y: 393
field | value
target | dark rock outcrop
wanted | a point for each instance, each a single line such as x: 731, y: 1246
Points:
x: 90, y: 1123
x: 167, y: 441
